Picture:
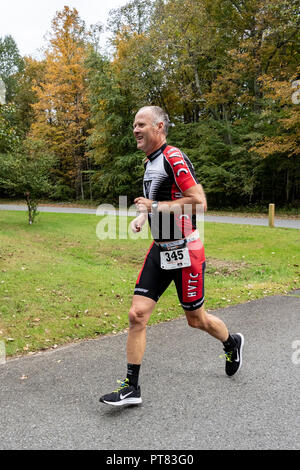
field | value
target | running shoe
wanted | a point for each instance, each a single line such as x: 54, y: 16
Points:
x: 124, y: 395
x: 234, y: 356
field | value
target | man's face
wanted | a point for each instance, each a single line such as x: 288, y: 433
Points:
x: 147, y: 135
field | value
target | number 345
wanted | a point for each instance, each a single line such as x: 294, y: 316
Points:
x: 174, y: 256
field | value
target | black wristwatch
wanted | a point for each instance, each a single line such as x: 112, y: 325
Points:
x: 154, y: 206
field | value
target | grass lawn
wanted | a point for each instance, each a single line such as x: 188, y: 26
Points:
x: 60, y: 283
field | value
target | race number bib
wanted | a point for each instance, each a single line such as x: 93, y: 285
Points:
x: 175, y: 259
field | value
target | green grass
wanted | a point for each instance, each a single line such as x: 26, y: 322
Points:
x: 59, y: 283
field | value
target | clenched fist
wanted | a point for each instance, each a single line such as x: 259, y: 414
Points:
x: 137, y: 224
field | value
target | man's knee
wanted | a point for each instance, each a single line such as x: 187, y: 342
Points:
x: 138, y: 317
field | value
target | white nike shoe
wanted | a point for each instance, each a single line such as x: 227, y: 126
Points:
x: 124, y: 395
x: 234, y: 356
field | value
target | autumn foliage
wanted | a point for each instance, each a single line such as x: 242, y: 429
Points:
x: 226, y: 71
x: 62, y: 111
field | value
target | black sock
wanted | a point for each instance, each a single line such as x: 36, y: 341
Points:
x: 229, y: 344
x: 133, y: 374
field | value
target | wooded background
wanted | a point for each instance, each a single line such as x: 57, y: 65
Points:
x: 225, y: 71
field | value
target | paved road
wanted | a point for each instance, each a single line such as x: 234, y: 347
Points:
x: 287, y: 223
x: 188, y: 402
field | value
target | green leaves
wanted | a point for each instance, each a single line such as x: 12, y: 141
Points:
x: 223, y: 70
x: 11, y: 63
x: 9, y: 138
x: 26, y: 173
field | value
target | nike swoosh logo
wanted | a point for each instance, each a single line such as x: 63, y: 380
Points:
x: 238, y: 357
x: 124, y: 396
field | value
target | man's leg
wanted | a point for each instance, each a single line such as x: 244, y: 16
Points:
x: 154, y: 282
x: 129, y: 392
x: 233, y: 344
x: 139, y: 315
x: 210, y: 323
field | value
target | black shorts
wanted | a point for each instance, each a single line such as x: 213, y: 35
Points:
x: 189, y: 281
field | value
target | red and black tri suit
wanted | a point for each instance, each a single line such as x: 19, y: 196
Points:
x: 168, y: 173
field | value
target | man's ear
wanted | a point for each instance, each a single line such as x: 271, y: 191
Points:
x: 160, y: 125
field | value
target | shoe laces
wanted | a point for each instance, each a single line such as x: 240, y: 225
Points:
x: 123, y: 384
x: 228, y: 356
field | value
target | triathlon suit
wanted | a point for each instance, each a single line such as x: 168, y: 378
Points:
x: 168, y: 173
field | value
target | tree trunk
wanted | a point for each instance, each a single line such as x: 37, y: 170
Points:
x: 225, y: 116
x: 81, y: 185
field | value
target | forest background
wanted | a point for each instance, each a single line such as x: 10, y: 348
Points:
x: 226, y: 72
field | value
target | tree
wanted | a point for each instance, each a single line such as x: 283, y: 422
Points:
x: 27, y: 173
x: 62, y: 112
x: 32, y: 75
x: 133, y: 17
x: 280, y: 138
x: 11, y: 63
x: 111, y: 144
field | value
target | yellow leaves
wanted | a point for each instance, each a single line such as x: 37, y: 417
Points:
x: 62, y: 110
x: 293, y: 121
x: 224, y: 89
x: 279, y: 91
x: 284, y: 144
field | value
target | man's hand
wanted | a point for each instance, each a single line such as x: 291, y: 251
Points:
x: 137, y: 224
x: 143, y: 205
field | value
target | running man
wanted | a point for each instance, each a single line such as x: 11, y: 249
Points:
x: 171, y: 196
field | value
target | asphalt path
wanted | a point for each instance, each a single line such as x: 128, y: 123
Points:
x: 286, y: 223
x: 50, y: 400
